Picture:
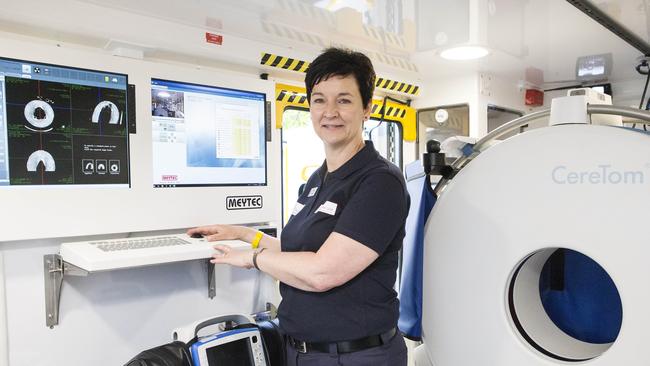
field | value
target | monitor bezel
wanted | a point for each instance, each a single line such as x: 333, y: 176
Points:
x: 266, y: 156
x: 126, y: 124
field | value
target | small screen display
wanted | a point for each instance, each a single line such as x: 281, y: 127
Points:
x: 594, y: 67
x: 62, y: 126
x: 207, y: 136
x: 235, y: 353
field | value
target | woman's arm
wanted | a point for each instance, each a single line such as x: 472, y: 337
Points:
x: 234, y: 232
x: 338, y: 260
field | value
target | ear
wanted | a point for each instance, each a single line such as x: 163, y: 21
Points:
x: 366, y: 111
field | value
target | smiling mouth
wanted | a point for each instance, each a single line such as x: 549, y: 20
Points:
x: 331, y: 126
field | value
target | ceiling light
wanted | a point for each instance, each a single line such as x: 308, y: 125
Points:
x: 362, y: 6
x: 464, y: 53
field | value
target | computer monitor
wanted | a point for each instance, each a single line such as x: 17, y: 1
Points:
x: 62, y: 126
x: 207, y: 136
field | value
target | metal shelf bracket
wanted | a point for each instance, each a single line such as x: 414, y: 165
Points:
x: 55, y: 269
x: 212, y: 288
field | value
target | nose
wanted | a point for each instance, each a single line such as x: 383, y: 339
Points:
x: 331, y: 110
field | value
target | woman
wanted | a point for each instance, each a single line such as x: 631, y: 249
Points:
x: 337, y: 256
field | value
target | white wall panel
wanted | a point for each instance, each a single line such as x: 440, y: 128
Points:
x: 108, y: 317
x: 46, y: 212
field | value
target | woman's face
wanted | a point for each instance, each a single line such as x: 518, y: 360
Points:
x: 337, y: 112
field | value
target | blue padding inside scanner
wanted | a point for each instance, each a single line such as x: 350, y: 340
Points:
x: 580, y: 297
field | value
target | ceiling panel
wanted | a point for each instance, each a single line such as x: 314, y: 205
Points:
x: 405, y: 35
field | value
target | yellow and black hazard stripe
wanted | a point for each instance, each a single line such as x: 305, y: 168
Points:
x: 288, y: 63
x: 397, y: 86
x: 282, y: 62
x: 288, y: 96
x: 396, y: 112
x: 292, y: 98
x: 392, y: 112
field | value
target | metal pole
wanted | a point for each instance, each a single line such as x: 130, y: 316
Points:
x: 496, y: 133
x: 619, y: 111
x: 587, y: 7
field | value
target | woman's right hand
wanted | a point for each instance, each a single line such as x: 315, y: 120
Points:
x: 219, y: 232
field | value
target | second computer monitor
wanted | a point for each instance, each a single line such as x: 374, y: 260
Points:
x: 206, y: 135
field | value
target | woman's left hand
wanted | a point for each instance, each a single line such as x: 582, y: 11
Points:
x: 224, y: 254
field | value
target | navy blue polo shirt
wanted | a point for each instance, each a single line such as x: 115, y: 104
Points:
x: 366, y: 200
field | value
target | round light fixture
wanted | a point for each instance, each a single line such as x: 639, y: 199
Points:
x: 464, y: 53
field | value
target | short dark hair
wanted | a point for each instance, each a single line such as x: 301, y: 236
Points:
x: 342, y: 62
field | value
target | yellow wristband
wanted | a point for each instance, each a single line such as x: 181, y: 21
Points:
x: 256, y: 240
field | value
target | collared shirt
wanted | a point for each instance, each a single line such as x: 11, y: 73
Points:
x: 366, y: 200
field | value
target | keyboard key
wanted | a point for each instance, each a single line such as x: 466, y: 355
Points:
x: 135, y: 243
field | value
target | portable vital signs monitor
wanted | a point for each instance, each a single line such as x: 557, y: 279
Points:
x: 237, y: 347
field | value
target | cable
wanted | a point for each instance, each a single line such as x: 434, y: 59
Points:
x: 642, y: 64
x: 383, y: 114
x: 564, y: 87
x: 383, y: 111
x: 645, y: 89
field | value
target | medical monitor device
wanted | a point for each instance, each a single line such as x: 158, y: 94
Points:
x: 594, y: 67
x: 238, y: 347
x: 62, y: 126
x: 207, y: 136
x: 572, y: 109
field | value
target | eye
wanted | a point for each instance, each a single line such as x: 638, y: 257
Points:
x: 317, y: 100
x: 344, y: 101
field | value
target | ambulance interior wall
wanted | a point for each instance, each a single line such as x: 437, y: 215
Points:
x: 457, y: 89
x: 108, y: 317
x: 475, y: 89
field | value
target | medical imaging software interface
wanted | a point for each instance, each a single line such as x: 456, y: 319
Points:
x: 62, y: 126
x: 207, y: 136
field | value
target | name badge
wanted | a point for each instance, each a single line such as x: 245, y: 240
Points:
x: 312, y: 192
x: 328, y: 208
x: 297, y: 208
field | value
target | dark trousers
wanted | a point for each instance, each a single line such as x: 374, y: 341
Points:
x: 392, y: 353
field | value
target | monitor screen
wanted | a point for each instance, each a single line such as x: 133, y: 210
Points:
x: 593, y: 67
x: 62, y: 126
x: 235, y: 353
x: 207, y: 136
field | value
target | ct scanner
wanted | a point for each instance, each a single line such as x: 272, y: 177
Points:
x: 579, y: 186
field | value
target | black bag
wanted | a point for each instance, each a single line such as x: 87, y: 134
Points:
x: 273, y: 341
x: 171, y: 354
